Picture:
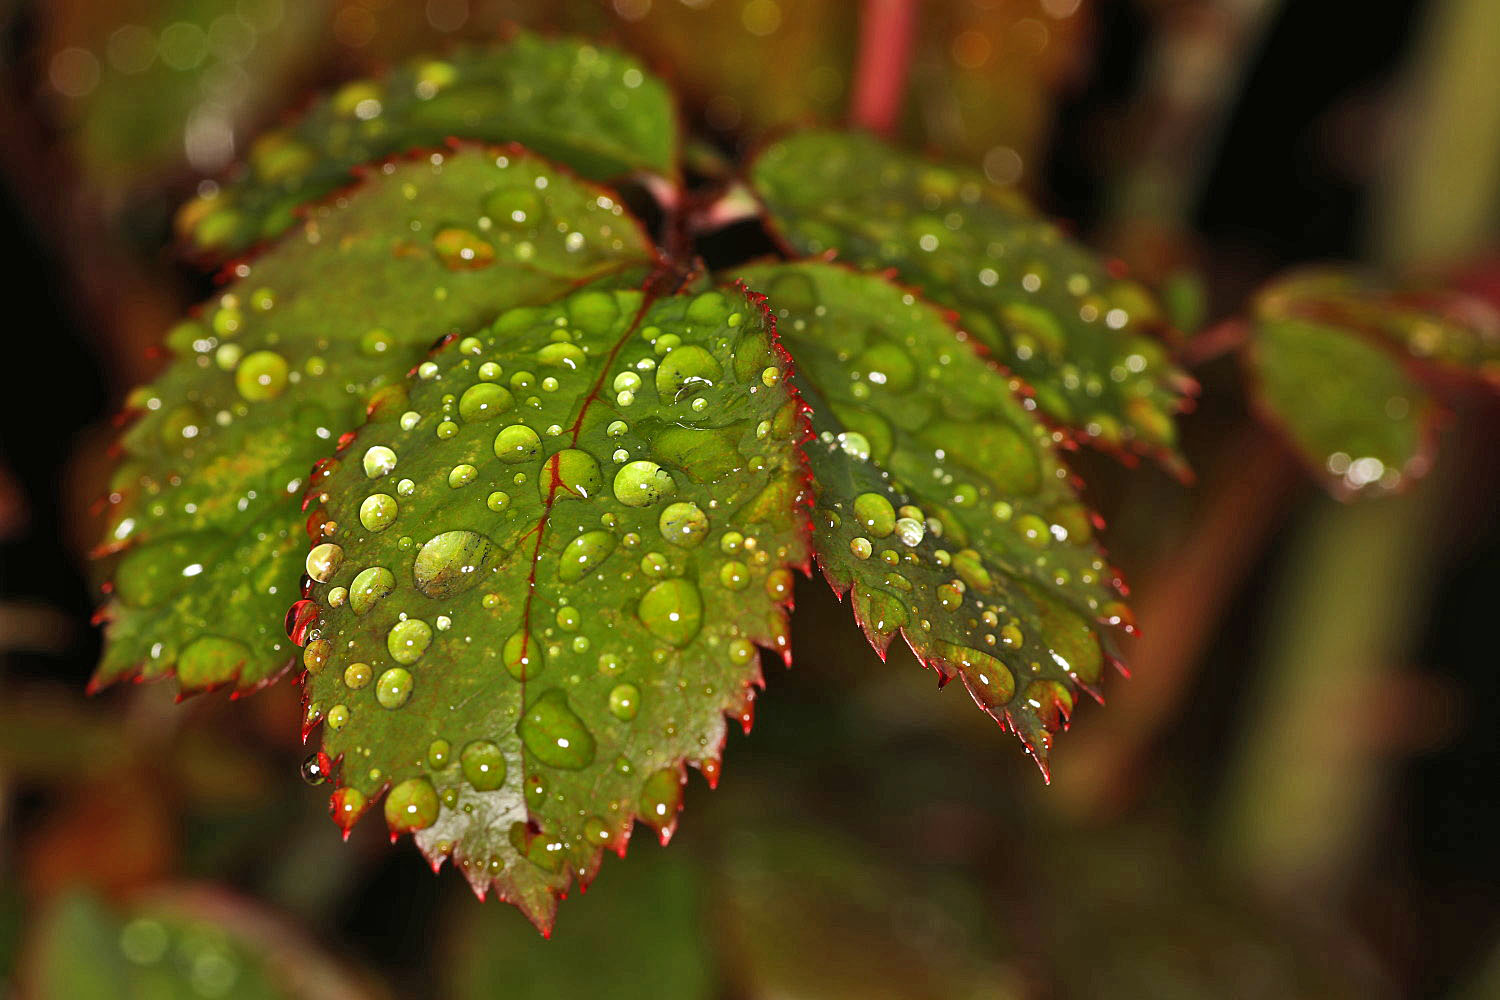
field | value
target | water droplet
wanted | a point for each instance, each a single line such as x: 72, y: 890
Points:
x: 451, y: 562
x: 875, y: 514
x: 625, y: 701
x: 261, y: 376
x: 461, y: 476
x: 554, y: 734
x: 370, y: 586
x: 483, y: 401
x: 683, y: 524
x: 673, y: 611
x: 570, y: 474
x: 910, y: 531
x: 393, y: 688
x: 347, y: 805
x: 735, y: 575
x: 561, y: 355
x: 411, y: 805
x: 408, y: 640
x: 517, y: 443
x: 686, y: 370
x: 461, y: 250
x: 580, y: 556
x: 522, y: 656
x: 376, y: 343
x: 357, y: 675
x: 642, y: 484
x: 779, y: 584
x: 315, y: 767
x: 379, y: 461
x: 483, y: 765
x: 378, y: 510
x: 593, y: 312
x: 661, y: 798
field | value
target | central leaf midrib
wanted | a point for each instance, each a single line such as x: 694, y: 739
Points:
x: 648, y: 299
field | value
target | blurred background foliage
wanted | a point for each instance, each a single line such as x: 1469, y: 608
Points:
x: 1295, y: 795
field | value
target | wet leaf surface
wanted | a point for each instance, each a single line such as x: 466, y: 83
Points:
x: 204, y: 509
x: 544, y: 577
x: 589, y: 107
x: 1357, y: 417
x: 1348, y: 368
x: 1433, y: 326
x: 942, y: 507
x: 1048, y: 309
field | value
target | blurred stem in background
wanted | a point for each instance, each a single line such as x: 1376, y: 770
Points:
x: 1305, y: 789
x: 1441, y: 197
x: 887, y: 32
x: 1194, y: 74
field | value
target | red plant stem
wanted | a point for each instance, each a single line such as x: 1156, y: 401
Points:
x: 886, y: 31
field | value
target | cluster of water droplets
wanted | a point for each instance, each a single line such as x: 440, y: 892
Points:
x: 941, y: 500
x: 589, y: 107
x: 1049, y: 310
x: 560, y: 551
x: 271, y: 369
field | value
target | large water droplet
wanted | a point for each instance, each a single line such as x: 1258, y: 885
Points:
x: 483, y: 765
x: 641, y: 484
x: 554, y: 734
x: 673, y: 611
x: 582, y: 554
x: 875, y: 514
x: 461, y: 250
x: 378, y: 510
x: 517, y: 443
x: 411, y: 805
x: 379, y: 461
x: 408, y: 640
x: 451, y: 562
x: 261, y: 376
x: 683, y: 524
x: 370, y: 586
x: 571, y: 474
x: 661, y: 797
x: 393, y: 688
x: 686, y: 370
x: 483, y: 401
x: 522, y: 656
x: 625, y: 701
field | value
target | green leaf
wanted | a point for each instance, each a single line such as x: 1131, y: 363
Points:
x: 1357, y: 417
x: 204, y: 508
x: 1047, y: 308
x: 1342, y: 364
x: 1435, y: 327
x: 646, y: 937
x: 177, y: 943
x: 549, y: 574
x: 941, y: 502
x: 594, y: 109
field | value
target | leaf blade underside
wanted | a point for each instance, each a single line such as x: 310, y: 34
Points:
x: 941, y: 502
x: 1044, y: 306
x: 592, y: 108
x: 204, y: 527
x: 590, y: 570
